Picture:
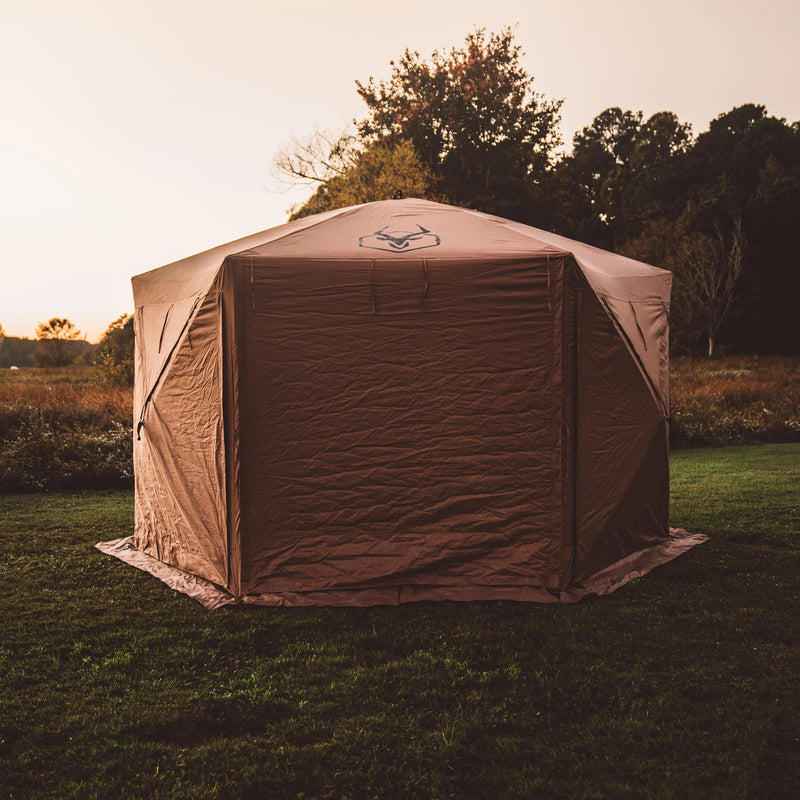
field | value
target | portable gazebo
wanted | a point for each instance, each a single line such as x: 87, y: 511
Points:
x: 401, y: 401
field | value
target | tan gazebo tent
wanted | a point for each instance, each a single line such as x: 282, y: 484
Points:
x: 401, y: 401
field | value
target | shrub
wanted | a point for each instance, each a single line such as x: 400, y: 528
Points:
x: 64, y: 429
x: 39, y: 458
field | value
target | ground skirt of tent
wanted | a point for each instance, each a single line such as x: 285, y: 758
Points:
x: 601, y: 583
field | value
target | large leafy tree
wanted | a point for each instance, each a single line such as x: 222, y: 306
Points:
x: 618, y: 164
x: 473, y: 118
x: 465, y: 127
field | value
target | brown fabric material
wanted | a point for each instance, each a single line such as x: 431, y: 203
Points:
x: 410, y: 445
x: 205, y: 592
x: 622, y: 462
x: 179, y: 452
x: 634, y: 566
x: 401, y: 401
x: 231, y: 334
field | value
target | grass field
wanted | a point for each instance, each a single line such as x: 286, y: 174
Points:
x: 683, y: 684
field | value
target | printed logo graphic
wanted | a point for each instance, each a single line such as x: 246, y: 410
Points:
x: 397, y: 241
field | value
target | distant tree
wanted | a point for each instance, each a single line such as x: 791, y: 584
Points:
x: 600, y: 165
x: 659, y: 138
x: 56, y: 342
x: 707, y: 270
x: 659, y: 145
x: 114, y: 354
x: 17, y: 352
x: 473, y: 118
x: 607, y: 143
x: 2, y: 339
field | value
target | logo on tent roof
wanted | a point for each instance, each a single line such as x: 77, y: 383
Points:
x: 396, y: 241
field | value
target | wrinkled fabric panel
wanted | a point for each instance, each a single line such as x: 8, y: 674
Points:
x: 637, y: 295
x: 393, y: 434
x: 158, y: 329
x: 231, y: 336
x: 622, y: 458
x: 645, y: 330
x: 180, y: 515
x: 564, y: 459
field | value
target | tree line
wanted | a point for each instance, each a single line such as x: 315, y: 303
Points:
x: 59, y: 343
x: 467, y: 127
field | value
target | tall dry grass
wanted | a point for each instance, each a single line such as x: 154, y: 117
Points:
x: 63, y: 398
x: 735, y: 400
x: 63, y: 428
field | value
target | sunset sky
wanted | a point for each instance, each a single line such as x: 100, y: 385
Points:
x: 134, y: 134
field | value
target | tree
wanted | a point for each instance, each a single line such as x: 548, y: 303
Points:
x: 658, y: 147
x: 620, y: 163
x: 466, y: 128
x: 57, y: 338
x: 473, y: 119
x: 707, y: 271
x: 317, y: 158
x: 600, y: 165
x: 747, y: 165
x: 658, y: 139
x: 115, y: 351
x: 706, y: 268
x: 351, y: 176
x: 2, y: 339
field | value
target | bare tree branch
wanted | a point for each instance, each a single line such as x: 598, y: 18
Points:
x: 316, y: 158
x: 710, y: 269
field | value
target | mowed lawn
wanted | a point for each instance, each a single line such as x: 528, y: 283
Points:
x: 683, y: 684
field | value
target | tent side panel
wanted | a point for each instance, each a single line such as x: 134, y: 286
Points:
x: 179, y: 454
x: 401, y: 426
x: 623, y: 464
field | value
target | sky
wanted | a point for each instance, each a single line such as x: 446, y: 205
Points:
x: 136, y: 134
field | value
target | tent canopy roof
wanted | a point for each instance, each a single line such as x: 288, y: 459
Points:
x: 634, y: 294
x: 407, y: 228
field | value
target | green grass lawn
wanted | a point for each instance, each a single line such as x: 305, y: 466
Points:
x: 683, y: 684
